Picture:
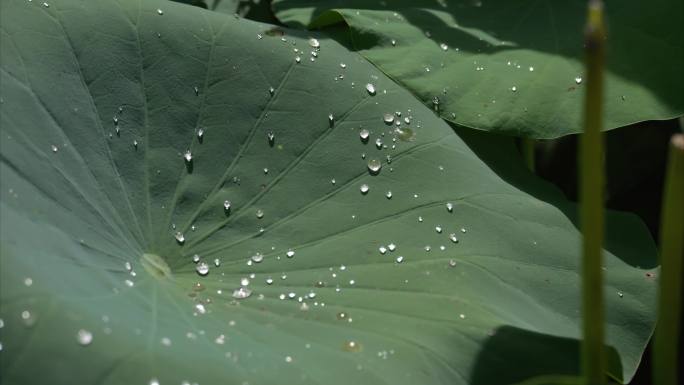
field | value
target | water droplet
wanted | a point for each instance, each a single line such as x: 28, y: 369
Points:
x: 452, y: 263
x: 200, y: 134
x: 196, y: 258
x: 435, y: 103
x: 578, y: 79
x: 269, y: 281
x: 84, y: 337
x: 202, y: 268
x: 388, y: 118
x: 388, y: 195
x: 129, y: 283
x: 226, y: 206
x: 364, y: 189
x: 298, y: 59
x: 364, y: 134
x: 290, y: 253
x: 187, y: 156
x: 128, y: 266
x: 343, y: 65
x: 531, y: 69
x: 382, y: 249
x: 341, y: 316
x: 438, y: 229
x: 257, y: 258
x: 28, y: 281
x: 313, y: 42
x: 154, y: 381
x: 420, y: 219
x: 242, y: 293
x: 180, y: 238
x: 54, y: 148
x: 244, y: 281
x: 374, y: 166
x: 394, y: 42
x: 453, y: 238
x: 450, y: 207
x: 288, y: 359
x: 200, y: 308
x: 370, y: 88
x: 351, y: 346
x: 444, y: 47
x: 514, y: 89
x: 259, y: 213
x: 400, y: 259
x: 331, y: 119
x: 196, y: 89
x: 332, y: 181
x: 160, y: 12
x: 620, y: 294
x: 217, y: 262
x: 392, y: 247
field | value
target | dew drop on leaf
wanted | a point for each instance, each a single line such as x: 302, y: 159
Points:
x: 290, y: 253
x: 370, y: 88
x: 578, y: 79
x: 257, y: 258
x: 388, y: 118
x: 180, y: 238
x: 453, y: 238
x: 364, y: 134
x: 382, y: 249
x: 374, y: 166
x: 202, y: 268
x: 84, y: 337
x: 160, y: 12
x: 388, y: 195
x: 450, y: 207
x: 313, y: 42
x: 399, y: 259
x: 259, y: 213
x: 364, y: 189
x: 242, y: 293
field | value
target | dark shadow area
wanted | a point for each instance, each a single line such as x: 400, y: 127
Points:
x: 506, y: 162
x: 545, y: 26
x: 528, y: 354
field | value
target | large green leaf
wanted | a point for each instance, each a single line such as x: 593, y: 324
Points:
x: 510, y: 66
x: 99, y: 102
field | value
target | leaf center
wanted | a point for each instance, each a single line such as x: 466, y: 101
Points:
x: 155, y: 266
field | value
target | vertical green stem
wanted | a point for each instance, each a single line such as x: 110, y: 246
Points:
x: 665, y: 361
x: 527, y: 149
x: 591, y: 214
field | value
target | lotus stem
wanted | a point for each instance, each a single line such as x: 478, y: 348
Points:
x: 665, y: 360
x: 527, y: 149
x: 591, y: 198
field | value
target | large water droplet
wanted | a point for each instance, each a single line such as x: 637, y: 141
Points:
x: 578, y: 79
x: 290, y: 253
x: 370, y: 88
x: 180, y: 238
x: 242, y: 293
x: 202, y: 268
x: 187, y: 156
x: 374, y: 166
x: 364, y: 189
x: 364, y: 134
x: 314, y: 43
x: 453, y: 238
x: 260, y: 213
x: 257, y: 258
x: 388, y: 118
x: 84, y: 337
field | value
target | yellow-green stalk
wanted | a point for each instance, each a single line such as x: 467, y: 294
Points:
x: 527, y: 149
x: 591, y: 198
x: 666, y: 339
